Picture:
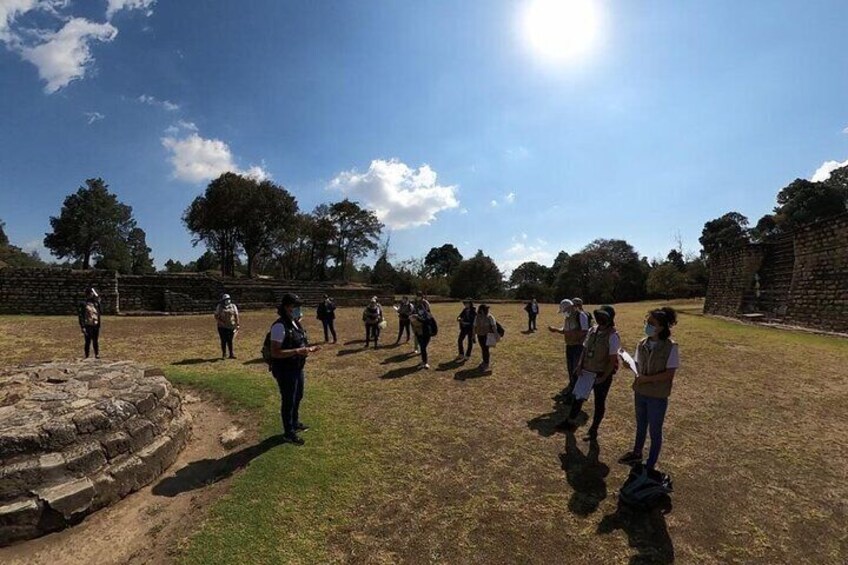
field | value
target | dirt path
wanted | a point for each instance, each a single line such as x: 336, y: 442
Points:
x: 147, y: 525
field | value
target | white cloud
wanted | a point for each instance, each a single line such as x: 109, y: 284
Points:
x: 181, y: 125
x: 114, y: 6
x: 845, y: 131
x: 197, y: 159
x: 153, y: 101
x: 93, y: 117
x: 823, y: 172
x: 401, y: 197
x: 510, y: 198
x: 65, y: 55
x: 520, y: 252
x: 493, y: 203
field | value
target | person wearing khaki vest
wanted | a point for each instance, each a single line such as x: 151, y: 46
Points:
x: 657, y: 360
x: 574, y: 328
x: 600, y: 356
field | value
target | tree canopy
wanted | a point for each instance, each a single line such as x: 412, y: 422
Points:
x: 476, y: 278
x: 725, y: 232
x: 443, y: 261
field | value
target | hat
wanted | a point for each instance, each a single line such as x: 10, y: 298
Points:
x: 610, y: 310
x: 577, y: 301
x: 565, y: 304
x: 602, y: 316
x: 225, y: 296
x: 373, y: 299
x: 290, y: 299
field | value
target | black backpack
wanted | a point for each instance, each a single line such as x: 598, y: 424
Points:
x: 434, y: 327
x: 647, y: 489
x: 500, y: 329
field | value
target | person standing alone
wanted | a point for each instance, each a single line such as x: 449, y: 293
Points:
x: 289, y: 351
x: 466, y: 330
x: 373, y: 317
x: 327, y: 315
x: 227, y: 316
x: 532, y: 309
x: 90, y: 315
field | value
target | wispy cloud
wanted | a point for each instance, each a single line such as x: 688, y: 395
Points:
x: 115, y: 6
x: 823, y: 172
x: 153, y: 101
x: 93, y: 117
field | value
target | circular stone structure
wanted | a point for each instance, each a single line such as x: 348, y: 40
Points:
x: 77, y: 436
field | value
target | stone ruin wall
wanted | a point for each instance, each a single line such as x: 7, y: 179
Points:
x: 800, y: 278
x: 78, y: 436
x: 59, y: 291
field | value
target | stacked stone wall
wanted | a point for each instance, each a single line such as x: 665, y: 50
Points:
x: 800, y: 278
x: 54, y: 291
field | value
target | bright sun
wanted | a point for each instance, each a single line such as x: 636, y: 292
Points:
x: 562, y: 30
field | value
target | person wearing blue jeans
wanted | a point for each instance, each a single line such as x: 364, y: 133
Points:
x: 289, y: 350
x: 657, y: 360
x: 575, y: 327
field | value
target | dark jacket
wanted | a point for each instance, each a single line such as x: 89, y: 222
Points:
x: 466, y: 317
x: 295, y: 338
x: 82, y: 307
x: 327, y: 312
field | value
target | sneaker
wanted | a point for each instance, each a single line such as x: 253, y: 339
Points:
x: 293, y: 438
x: 417, y: 352
x: 630, y: 458
x: 460, y: 358
x: 426, y: 366
x: 232, y: 356
x: 484, y: 367
x: 301, y: 427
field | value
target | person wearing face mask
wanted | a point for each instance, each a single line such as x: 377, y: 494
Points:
x: 404, y: 311
x: 466, y: 330
x: 289, y: 351
x: 574, y: 328
x: 227, y: 317
x: 600, y: 358
x: 373, y: 317
x: 657, y: 360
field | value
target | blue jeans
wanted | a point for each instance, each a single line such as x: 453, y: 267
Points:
x: 572, y: 358
x: 290, y: 383
x: 650, y: 413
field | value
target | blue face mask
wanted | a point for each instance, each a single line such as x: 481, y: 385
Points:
x: 650, y: 330
x: 296, y: 313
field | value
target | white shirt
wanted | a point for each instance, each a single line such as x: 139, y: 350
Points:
x: 673, y: 356
x: 278, y: 332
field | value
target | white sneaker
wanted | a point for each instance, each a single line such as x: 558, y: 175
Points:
x: 417, y: 352
x: 426, y: 367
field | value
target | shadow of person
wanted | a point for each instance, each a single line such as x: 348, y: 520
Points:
x: 551, y: 423
x: 586, y: 475
x: 400, y: 373
x: 354, y: 341
x: 197, y: 361
x: 449, y: 366
x: 647, y: 533
x: 527, y: 332
x: 473, y: 373
x: 257, y: 361
x: 343, y: 352
x: 204, y: 472
x: 398, y: 358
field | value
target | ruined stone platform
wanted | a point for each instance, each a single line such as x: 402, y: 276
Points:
x: 77, y: 436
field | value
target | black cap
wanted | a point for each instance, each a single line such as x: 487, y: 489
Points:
x: 290, y: 299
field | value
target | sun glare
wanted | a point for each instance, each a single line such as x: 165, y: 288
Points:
x: 562, y: 30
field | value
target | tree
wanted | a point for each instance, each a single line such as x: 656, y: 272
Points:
x: 209, y: 261
x: 804, y: 201
x: 141, y: 263
x: 4, y: 239
x: 606, y: 270
x: 667, y: 281
x: 443, y: 261
x: 476, y: 278
x: 14, y: 256
x: 90, y: 221
x: 172, y: 266
x: 529, y: 272
x: 356, y: 232
x: 726, y: 232
x: 383, y: 272
x: 215, y: 218
x: 766, y: 227
x: 675, y: 258
x: 268, y: 211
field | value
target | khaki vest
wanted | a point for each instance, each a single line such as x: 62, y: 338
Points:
x: 596, y: 357
x: 652, y: 362
x: 572, y: 324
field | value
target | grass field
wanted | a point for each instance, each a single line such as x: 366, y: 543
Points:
x: 451, y: 466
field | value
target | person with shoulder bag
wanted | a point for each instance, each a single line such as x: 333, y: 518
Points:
x: 424, y: 327
x: 404, y: 310
x: 90, y: 315
x: 466, y: 321
x: 289, y: 350
x: 227, y: 317
x: 486, y: 328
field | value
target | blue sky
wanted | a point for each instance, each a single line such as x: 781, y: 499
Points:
x: 440, y: 115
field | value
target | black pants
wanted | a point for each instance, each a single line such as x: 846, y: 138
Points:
x: 531, y: 322
x: 92, y: 336
x: 372, y: 331
x: 484, y: 349
x: 465, y: 334
x: 600, y: 391
x: 423, y: 342
x: 329, y: 328
x: 404, y: 325
x: 290, y: 382
x: 226, y: 335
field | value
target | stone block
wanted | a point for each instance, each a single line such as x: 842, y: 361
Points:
x: 84, y: 458
x: 141, y: 431
x: 91, y: 420
x: 126, y: 474
x: 69, y: 498
x: 115, y: 444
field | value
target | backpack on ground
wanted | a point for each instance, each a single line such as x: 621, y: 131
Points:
x: 647, y: 489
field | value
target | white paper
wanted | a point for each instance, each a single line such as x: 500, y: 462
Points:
x: 631, y: 363
x: 584, y: 384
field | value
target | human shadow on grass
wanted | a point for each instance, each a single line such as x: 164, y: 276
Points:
x: 647, y: 533
x: 472, y: 373
x: 400, y: 372
x: 548, y: 424
x: 398, y: 358
x: 586, y: 474
x: 204, y: 472
x: 257, y: 361
x: 449, y: 366
x: 197, y: 361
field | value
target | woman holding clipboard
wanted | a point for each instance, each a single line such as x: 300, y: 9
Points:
x: 596, y: 368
